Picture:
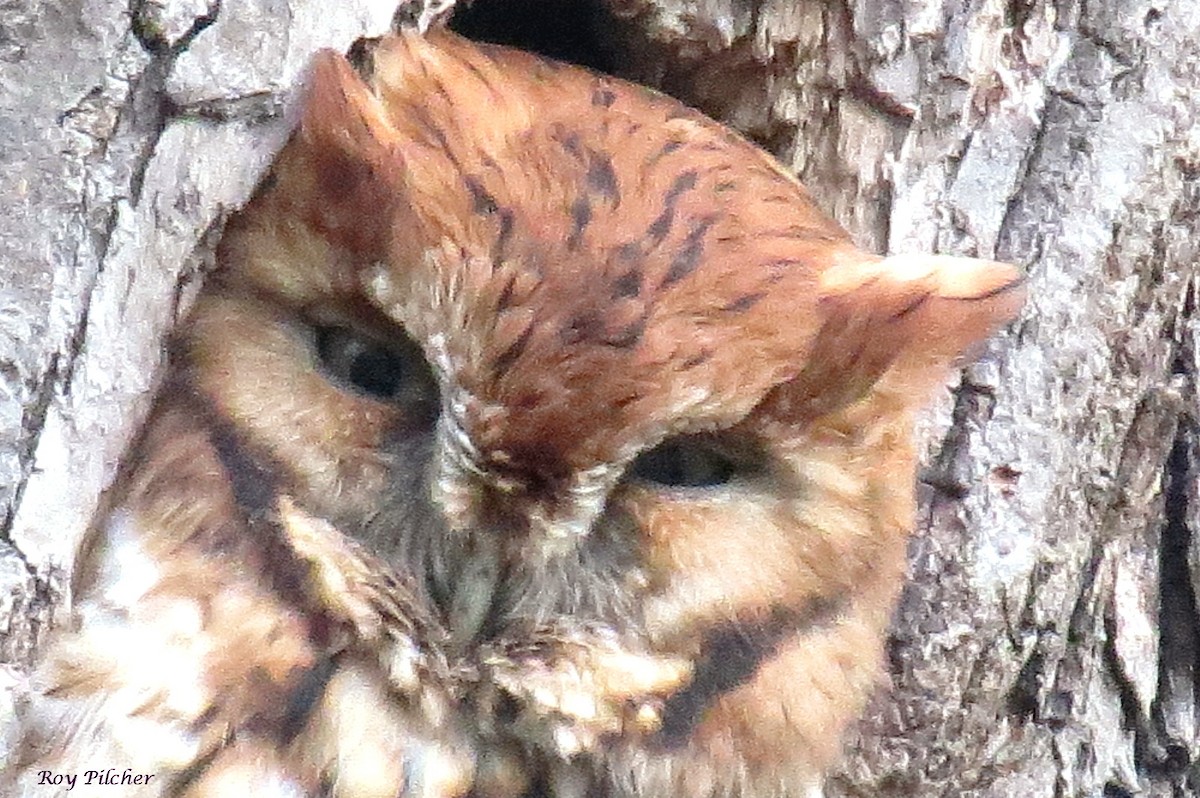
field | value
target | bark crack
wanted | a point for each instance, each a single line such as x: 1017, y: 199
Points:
x: 155, y: 40
x: 149, y: 95
x: 33, y: 420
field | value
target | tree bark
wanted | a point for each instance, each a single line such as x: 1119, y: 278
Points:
x: 1048, y: 641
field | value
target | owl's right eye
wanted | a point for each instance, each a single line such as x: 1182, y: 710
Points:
x: 395, y: 372
x: 685, y: 462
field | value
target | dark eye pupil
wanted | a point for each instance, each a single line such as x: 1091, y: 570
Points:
x: 383, y: 372
x: 684, y: 463
x: 376, y: 372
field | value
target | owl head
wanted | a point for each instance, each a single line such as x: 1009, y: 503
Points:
x: 566, y: 349
x: 551, y: 273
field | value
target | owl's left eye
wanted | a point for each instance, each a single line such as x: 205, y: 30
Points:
x: 394, y: 372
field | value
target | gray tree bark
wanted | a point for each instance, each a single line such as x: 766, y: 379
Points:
x: 1048, y: 642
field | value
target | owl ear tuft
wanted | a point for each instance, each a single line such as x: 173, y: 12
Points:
x: 907, y: 317
x: 344, y: 139
x: 340, y: 113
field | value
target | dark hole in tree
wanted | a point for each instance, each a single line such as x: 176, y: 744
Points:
x: 567, y: 30
x: 1179, y: 641
x: 592, y: 34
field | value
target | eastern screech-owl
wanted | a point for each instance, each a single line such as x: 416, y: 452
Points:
x: 536, y: 436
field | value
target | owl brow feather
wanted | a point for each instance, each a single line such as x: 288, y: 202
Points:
x: 689, y: 255
x: 581, y: 217
x: 661, y: 226
x: 603, y: 98
x: 671, y: 146
x: 601, y: 177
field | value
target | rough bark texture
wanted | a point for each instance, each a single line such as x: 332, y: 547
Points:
x: 1048, y: 643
